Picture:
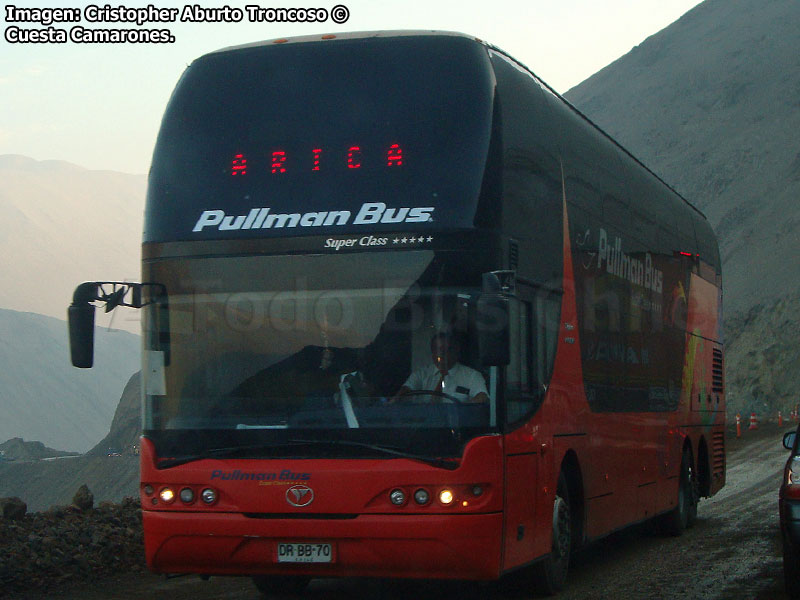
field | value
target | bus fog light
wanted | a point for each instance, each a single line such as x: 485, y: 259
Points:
x: 187, y: 495
x: 209, y: 496
x: 166, y: 495
x: 422, y: 496
x: 446, y: 497
x: 477, y: 490
x: 148, y: 490
x: 397, y: 497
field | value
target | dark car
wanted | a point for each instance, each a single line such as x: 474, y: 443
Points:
x: 789, y: 507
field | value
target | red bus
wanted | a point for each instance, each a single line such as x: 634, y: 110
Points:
x: 407, y: 313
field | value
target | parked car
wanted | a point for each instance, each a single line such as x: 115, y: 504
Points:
x: 789, y: 508
x: 114, y: 452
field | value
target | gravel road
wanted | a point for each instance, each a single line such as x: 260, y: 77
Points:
x: 732, y: 553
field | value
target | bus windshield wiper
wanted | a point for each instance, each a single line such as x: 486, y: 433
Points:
x: 236, y: 450
x: 229, y: 451
x: 428, y: 460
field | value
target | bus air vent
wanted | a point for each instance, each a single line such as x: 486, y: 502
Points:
x: 717, y: 382
x: 513, y: 255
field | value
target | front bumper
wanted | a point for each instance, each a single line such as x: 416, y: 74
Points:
x: 404, y: 546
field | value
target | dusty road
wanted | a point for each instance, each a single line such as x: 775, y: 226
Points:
x: 732, y: 553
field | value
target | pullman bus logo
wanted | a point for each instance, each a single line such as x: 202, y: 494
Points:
x: 300, y: 495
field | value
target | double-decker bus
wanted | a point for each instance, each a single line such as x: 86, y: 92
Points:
x: 332, y: 221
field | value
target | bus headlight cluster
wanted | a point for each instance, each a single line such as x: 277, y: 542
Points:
x: 187, y: 495
x: 462, y: 495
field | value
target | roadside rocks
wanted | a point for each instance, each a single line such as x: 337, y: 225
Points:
x: 13, y: 509
x: 83, y: 498
x: 67, y: 544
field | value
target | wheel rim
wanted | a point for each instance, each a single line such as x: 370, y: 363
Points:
x: 561, y: 529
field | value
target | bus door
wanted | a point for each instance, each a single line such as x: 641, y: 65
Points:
x: 524, y: 465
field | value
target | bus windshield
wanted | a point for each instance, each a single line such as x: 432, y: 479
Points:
x: 264, y: 349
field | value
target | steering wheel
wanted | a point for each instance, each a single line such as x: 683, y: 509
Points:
x: 442, y: 395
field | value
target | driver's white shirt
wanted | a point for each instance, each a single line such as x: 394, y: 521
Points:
x: 461, y: 381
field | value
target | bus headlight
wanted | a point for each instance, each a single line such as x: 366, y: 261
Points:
x: 187, y: 495
x: 422, y: 496
x: 166, y: 495
x: 446, y: 497
x: 397, y: 497
x: 209, y: 496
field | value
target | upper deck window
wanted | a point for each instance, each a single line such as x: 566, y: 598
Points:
x: 323, y: 127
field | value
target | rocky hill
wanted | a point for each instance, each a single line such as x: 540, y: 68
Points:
x: 43, y: 397
x: 19, y: 449
x: 712, y: 105
x: 126, y: 426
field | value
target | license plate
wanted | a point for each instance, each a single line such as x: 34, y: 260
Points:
x: 305, y: 553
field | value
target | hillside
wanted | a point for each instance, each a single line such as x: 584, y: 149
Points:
x: 45, y: 483
x: 711, y: 105
x: 43, y: 397
x: 63, y: 224
x: 126, y: 427
x: 19, y: 449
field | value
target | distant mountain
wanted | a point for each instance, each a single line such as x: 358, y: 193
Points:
x: 19, y: 449
x: 712, y: 105
x: 126, y: 427
x: 43, y: 397
x: 63, y: 224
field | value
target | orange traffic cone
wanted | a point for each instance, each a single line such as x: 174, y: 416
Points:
x: 753, y: 421
x: 780, y: 419
x: 738, y: 425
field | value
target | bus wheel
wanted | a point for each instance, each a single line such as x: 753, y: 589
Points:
x: 279, y: 585
x: 685, y: 513
x: 551, y: 573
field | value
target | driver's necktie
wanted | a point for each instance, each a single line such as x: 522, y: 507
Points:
x: 439, y: 387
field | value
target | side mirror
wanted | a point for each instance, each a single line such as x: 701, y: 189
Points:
x: 491, y: 321
x: 81, y: 334
x: 788, y: 439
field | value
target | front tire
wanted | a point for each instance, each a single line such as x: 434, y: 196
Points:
x: 551, y: 573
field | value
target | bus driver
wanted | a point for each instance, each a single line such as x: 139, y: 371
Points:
x: 446, y: 376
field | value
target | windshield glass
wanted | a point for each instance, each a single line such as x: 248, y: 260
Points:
x: 263, y: 350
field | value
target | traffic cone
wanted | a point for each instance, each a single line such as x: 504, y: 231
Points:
x: 738, y: 425
x: 753, y: 421
x: 780, y: 419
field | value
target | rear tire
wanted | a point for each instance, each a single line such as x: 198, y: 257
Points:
x: 281, y: 585
x: 684, y: 514
x: 551, y: 574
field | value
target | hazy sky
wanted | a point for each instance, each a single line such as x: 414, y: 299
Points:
x: 100, y: 105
